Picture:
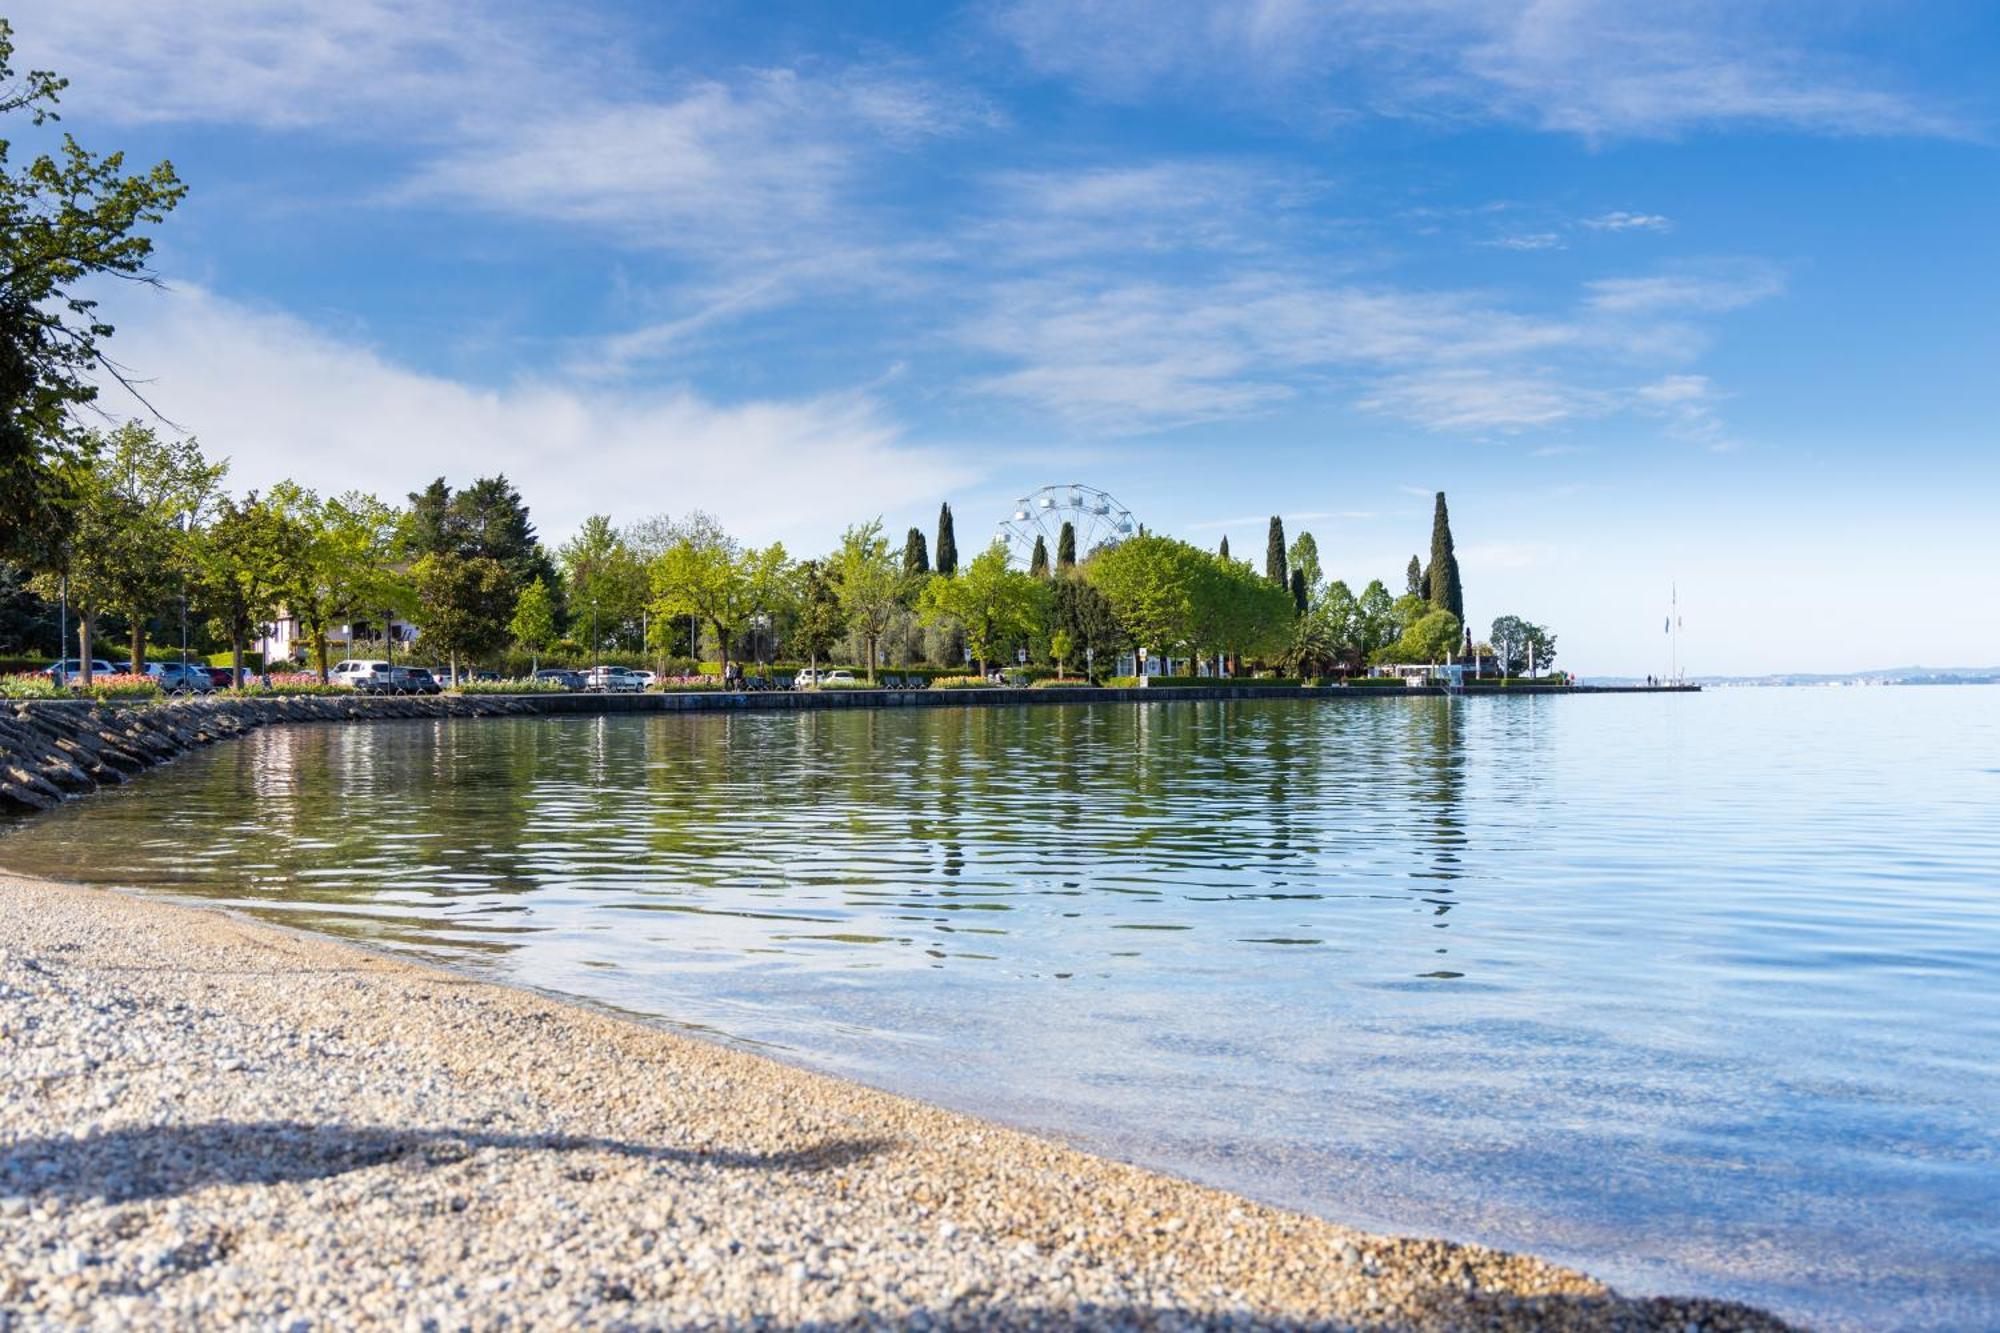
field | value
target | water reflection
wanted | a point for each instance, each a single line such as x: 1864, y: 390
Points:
x: 1683, y: 989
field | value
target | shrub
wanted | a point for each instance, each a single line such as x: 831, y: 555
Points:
x: 119, y: 686
x: 1062, y: 683
x: 524, y: 686
x: 30, y: 686
x: 961, y: 683
x: 1375, y: 682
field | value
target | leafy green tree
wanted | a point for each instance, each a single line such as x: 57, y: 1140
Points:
x: 1340, y: 614
x: 1038, y: 563
x: 1375, y: 620
x: 67, y: 218
x: 1514, y: 637
x: 1300, y: 599
x: 1433, y: 637
x: 240, y: 558
x: 603, y: 579
x: 707, y: 574
x: 534, y: 622
x: 1274, y: 554
x: 870, y: 582
x: 1304, y: 557
x: 821, y: 622
x: 916, y: 555
x: 998, y: 606
x: 169, y: 486
x: 471, y: 552
x: 1222, y: 551
x: 1066, y: 548
x: 465, y: 604
x: 1079, y: 610
x: 1060, y: 647
x: 342, y: 561
x: 1417, y: 581
x: 1236, y: 612
x: 947, y: 543
x: 1443, y: 586
x: 1149, y: 583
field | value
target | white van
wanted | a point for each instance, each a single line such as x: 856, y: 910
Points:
x: 360, y: 673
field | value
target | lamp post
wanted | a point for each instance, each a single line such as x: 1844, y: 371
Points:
x: 187, y: 529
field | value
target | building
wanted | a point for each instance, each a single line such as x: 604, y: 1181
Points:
x: 285, y: 640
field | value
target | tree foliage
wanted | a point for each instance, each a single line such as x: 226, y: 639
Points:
x: 1415, y: 580
x: 240, y: 559
x: 533, y: 626
x: 1274, y: 554
x: 604, y: 581
x: 1304, y: 558
x: 820, y: 621
x: 870, y: 583
x: 1513, y: 640
x: 1066, y: 547
x: 342, y: 563
x: 1000, y: 607
x: 947, y: 544
x: 916, y: 555
x: 1443, y: 587
x: 1038, y: 563
x: 66, y: 217
x: 709, y: 575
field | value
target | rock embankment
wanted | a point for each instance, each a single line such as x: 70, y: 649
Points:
x: 52, y: 749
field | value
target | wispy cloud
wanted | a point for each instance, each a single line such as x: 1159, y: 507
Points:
x: 1621, y: 221
x: 1470, y: 398
x: 1597, y: 68
x: 1534, y: 240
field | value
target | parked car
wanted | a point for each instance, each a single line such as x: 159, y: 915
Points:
x: 69, y: 671
x: 646, y: 679
x: 836, y: 677
x: 417, y: 680
x: 365, y: 674
x: 180, y: 677
x: 569, y: 680
x: 612, y: 680
x: 806, y: 679
x: 224, y: 677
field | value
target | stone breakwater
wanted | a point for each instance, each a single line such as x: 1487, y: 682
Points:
x: 52, y: 749
x: 208, y: 1122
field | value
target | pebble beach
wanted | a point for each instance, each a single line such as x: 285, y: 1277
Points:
x: 208, y: 1121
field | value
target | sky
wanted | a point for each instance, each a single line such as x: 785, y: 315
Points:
x: 1689, y: 300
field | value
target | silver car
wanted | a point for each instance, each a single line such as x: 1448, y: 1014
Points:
x: 180, y: 677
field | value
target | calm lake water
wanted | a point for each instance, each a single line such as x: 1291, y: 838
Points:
x: 1699, y: 992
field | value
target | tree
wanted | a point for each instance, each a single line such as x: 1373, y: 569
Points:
x: 1079, y: 610
x: 240, y: 558
x: 1066, y: 548
x: 603, y: 578
x: 947, y: 544
x: 821, y: 622
x: 534, y: 622
x: 1443, y: 587
x: 1274, y: 554
x: 1516, y: 640
x: 916, y: 555
x: 870, y: 585
x: 998, y: 606
x: 341, y: 561
x: 1375, y: 620
x: 1417, y: 579
x: 707, y: 574
x: 1237, y: 612
x: 1304, y: 556
x: 68, y: 217
x: 1300, y: 599
x: 472, y: 552
x: 134, y: 499
x: 1060, y: 647
x: 1149, y: 583
x: 1431, y: 638
x: 1038, y: 563
x: 1222, y: 551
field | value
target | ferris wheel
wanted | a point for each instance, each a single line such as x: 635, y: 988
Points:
x: 1098, y: 518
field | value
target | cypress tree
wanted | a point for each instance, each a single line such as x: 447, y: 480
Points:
x: 916, y: 554
x: 1445, y: 590
x: 1274, y: 554
x: 947, y: 544
x: 1223, y: 551
x: 1415, y: 575
x: 1038, y: 564
x: 1299, y: 590
x: 1066, y: 546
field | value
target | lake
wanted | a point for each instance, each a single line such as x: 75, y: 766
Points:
x: 1698, y: 992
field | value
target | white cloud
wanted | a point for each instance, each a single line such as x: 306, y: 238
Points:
x: 1705, y: 291
x: 1475, y: 399
x: 282, y: 399
x: 1688, y: 404
x: 1621, y: 221
x: 1591, y: 67
x: 1534, y: 240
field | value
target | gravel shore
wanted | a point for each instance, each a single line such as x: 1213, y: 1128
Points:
x: 207, y: 1121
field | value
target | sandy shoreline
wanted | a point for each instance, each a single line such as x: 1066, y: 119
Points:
x: 206, y: 1119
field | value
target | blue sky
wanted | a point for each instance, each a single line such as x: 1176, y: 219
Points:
x: 1698, y: 294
